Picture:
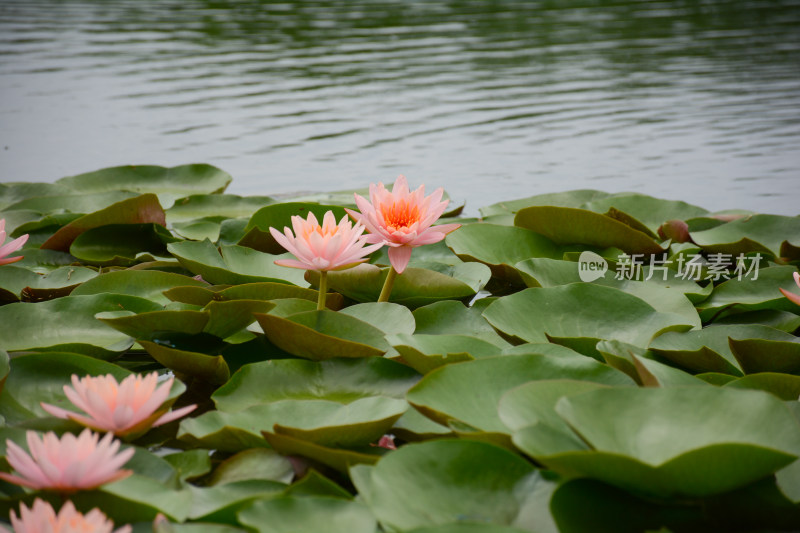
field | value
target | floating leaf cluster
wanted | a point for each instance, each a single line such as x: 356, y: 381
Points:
x: 570, y: 362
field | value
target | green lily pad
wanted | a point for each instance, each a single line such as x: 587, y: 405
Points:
x: 454, y: 318
x: 562, y: 199
x: 23, y: 283
x: 142, y: 209
x: 720, y: 439
x: 641, y: 365
x: 339, y: 459
x: 68, y: 324
x: 255, y: 463
x: 447, y: 394
x: 13, y: 192
x: 782, y: 320
x: 581, y: 505
x: 313, y: 513
x: 445, y: 481
x: 278, y: 216
x: 199, y: 229
x: 535, y: 401
x: 340, y: 380
x: 580, y: 311
x: 150, y: 284
x: 423, y: 256
x: 71, y: 203
x: 279, y: 293
x: 215, y: 205
x: 180, y: 181
x: 221, y: 503
x: 651, y: 211
x: 120, y: 244
x: 319, y: 335
x: 220, y: 319
x: 423, y: 353
x: 165, y: 526
x: 315, y: 484
x: 567, y: 225
x: 350, y: 425
x: 189, y: 464
x: 784, y: 386
x: 232, y: 265
x: 322, y: 422
x: 750, y: 294
x: 765, y: 355
x: 153, y: 324
x: 413, y: 426
x: 466, y: 527
x: 709, y: 349
x: 769, y: 234
x: 500, y: 247
x: 415, y: 287
x: 208, y: 368
x: 387, y: 317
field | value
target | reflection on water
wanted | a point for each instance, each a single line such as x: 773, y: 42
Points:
x: 693, y: 100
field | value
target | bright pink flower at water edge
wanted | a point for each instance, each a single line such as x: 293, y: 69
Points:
x: 11, y: 247
x: 67, y: 464
x: 41, y: 518
x: 792, y: 296
x: 131, y: 406
x: 402, y: 219
x: 327, y: 247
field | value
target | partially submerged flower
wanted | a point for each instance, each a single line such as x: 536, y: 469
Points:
x: 793, y: 296
x: 67, y: 464
x: 131, y: 406
x: 11, y: 247
x: 402, y: 219
x: 325, y: 247
x: 42, y: 518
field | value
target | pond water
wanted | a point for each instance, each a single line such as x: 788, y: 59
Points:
x: 683, y: 99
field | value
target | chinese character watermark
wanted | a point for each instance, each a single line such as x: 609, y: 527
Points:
x: 715, y: 267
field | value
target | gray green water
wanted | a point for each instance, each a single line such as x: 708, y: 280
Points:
x: 692, y: 100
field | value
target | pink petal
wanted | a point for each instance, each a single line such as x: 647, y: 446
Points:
x: 400, y: 187
x: 428, y: 237
x: 154, y: 400
x: 293, y: 263
x: 792, y: 296
x: 13, y: 246
x: 174, y: 415
x: 399, y: 257
x: 16, y: 480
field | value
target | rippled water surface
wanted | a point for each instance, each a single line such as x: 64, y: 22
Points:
x: 692, y: 100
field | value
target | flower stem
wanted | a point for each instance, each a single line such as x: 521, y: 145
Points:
x: 387, y: 285
x: 323, y: 289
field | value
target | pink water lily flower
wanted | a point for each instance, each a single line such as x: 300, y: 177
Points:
x: 402, y: 219
x: 42, y: 518
x: 67, y: 464
x: 11, y: 247
x: 132, y: 406
x: 793, y: 296
x: 325, y: 247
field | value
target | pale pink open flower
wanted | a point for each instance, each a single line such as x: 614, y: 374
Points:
x: 42, y: 518
x: 325, y: 247
x: 11, y: 247
x: 132, y: 406
x: 791, y: 295
x: 67, y: 464
x: 402, y: 219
